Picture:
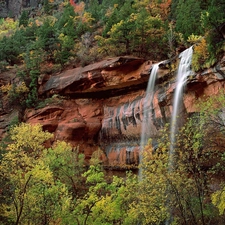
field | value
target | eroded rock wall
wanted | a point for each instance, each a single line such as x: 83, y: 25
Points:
x: 102, y: 105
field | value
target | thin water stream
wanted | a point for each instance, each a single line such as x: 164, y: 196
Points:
x: 184, y: 70
x: 147, y: 112
x: 148, y: 107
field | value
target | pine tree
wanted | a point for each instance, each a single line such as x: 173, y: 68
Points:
x: 188, y: 15
x: 24, y: 18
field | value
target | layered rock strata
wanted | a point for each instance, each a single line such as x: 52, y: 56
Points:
x: 101, y: 106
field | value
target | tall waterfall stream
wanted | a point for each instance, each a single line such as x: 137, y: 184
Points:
x: 184, y: 70
x: 148, y: 107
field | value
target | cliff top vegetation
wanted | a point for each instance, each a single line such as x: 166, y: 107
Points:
x: 57, y: 35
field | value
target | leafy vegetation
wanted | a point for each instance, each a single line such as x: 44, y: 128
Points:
x: 64, y: 33
x: 42, y: 185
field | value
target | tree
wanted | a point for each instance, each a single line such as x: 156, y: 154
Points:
x: 28, y: 138
x: 47, y: 38
x: 180, y: 187
x: 66, y: 30
x: 24, y: 18
x: 105, y: 202
x: 212, y: 18
x: 66, y: 22
x: 37, y: 197
x: 218, y: 199
x: 118, y: 14
x: 83, y: 206
x: 188, y: 15
x: 67, y: 166
x: 10, y: 50
x: 17, y: 164
x: 136, y: 33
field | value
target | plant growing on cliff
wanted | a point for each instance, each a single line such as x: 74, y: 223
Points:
x: 32, y: 97
x: 7, y: 27
x: 24, y: 19
x: 134, y: 33
x: 15, y: 93
x: 200, y: 56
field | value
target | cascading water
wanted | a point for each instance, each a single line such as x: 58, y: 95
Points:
x: 147, y: 106
x: 147, y: 112
x: 183, y: 72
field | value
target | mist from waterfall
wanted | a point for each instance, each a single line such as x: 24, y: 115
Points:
x: 148, y: 106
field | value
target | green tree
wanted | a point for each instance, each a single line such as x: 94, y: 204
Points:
x: 212, y: 18
x: 95, y: 9
x: 136, y: 34
x: 213, y: 15
x: 188, y: 18
x: 47, y: 7
x: 67, y: 166
x: 83, y: 206
x: 10, y: 50
x: 66, y: 32
x: 24, y: 18
x: 47, y: 200
x: 180, y: 187
x: 119, y: 13
x: 105, y: 202
x: 28, y: 138
x: 32, y: 96
x: 47, y: 39
x: 65, y: 24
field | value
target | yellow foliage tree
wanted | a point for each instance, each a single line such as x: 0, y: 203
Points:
x: 28, y: 138
x: 35, y: 196
x: 200, y: 55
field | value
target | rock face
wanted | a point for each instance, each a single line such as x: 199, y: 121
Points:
x: 94, y: 113
x: 13, y: 8
x: 100, y: 106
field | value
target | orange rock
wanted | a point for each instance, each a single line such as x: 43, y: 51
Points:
x: 103, y: 103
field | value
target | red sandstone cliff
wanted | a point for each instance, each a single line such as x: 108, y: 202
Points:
x: 101, y: 105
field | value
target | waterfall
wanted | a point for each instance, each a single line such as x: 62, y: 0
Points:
x: 148, y: 107
x: 184, y: 70
x: 147, y: 112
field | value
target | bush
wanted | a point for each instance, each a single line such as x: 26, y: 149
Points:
x: 200, y: 55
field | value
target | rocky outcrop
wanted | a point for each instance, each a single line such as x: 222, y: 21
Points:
x: 91, y: 94
x: 109, y: 77
x: 101, y: 106
x: 14, y: 8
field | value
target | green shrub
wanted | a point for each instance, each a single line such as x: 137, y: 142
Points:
x: 55, y: 99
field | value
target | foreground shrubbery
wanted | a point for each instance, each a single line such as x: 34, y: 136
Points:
x: 52, y: 185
